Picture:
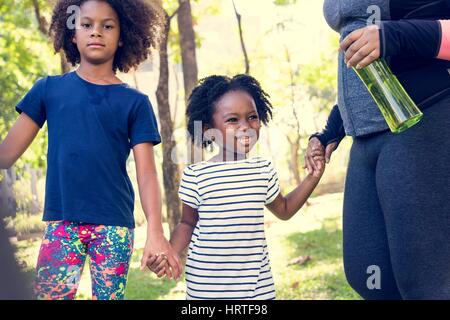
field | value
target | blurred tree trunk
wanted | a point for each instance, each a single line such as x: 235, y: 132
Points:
x: 187, y: 44
x: 294, y: 140
x: 65, y: 66
x: 43, y: 27
x: 189, y: 60
x: 171, y: 175
x: 241, y: 37
x: 35, y: 207
x: 294, y: 161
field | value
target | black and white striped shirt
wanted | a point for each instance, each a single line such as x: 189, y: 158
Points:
x: 228, y: 256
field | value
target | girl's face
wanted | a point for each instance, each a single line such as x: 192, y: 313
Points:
x: 236, y: 123
x: 98, y: 35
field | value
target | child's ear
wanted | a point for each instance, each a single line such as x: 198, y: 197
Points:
x: 120, y: 43
x: 74, y: 40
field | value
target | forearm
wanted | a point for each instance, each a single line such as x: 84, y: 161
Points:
x: 150, y: 194
x: 334, y: 129
x: 419, y: 38
x: 17, y: 141
x: 297, y: 198
x: 5, y: 161
x: 181, y: 237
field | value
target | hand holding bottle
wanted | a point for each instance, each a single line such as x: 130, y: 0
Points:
x: 361, y: 47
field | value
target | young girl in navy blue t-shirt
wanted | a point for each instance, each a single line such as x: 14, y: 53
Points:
x: 93, y: 121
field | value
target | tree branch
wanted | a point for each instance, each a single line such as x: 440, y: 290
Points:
x: 42, y: 22
x: 244, y: 50
x: 174, y: 13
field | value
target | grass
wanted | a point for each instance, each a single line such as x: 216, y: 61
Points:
x: 314, y: 232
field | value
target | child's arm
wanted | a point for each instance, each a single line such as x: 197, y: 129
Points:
x: 182, y: 234
x: 285, y: 207
x: 17, y: 141
x: 179, y: 240
x: 150, y: 194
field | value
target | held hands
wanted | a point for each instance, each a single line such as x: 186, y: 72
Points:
x: 361, y: 47
x: 160, y: 258
x: 316, y: 156
x: 159, y: 265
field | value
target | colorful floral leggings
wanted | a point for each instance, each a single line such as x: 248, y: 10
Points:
x: 63, y: 252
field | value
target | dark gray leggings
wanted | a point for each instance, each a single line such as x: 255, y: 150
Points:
x: 397, y: 211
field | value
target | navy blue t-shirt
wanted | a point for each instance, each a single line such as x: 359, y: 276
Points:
x: 91, y: 129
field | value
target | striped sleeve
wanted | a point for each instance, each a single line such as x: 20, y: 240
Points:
x: 188, y: 191
x: 273, y: 186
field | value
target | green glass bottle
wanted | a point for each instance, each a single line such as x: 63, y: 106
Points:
x: 395, y: 104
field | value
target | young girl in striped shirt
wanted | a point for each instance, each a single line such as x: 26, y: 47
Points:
x: 224, y: 197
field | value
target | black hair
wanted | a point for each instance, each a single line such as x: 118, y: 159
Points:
x: 140, y: 25
x: 203, y: 99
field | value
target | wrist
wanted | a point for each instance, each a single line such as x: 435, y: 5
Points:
x: 313, y: 178
x: 155, y: 231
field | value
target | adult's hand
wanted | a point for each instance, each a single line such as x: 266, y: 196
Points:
x: 329, y: 150
x: 361, y: 47
x: 315, y: 152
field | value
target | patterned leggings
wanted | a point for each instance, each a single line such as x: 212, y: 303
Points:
x: 63, y: 252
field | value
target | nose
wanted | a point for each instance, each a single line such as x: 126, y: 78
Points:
x: 244, y: 125
x: 96, y: 31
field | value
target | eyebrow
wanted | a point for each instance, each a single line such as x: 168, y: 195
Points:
x: 236, y: 114
x: 104, y: 20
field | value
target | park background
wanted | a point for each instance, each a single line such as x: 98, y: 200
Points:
x: 285, y: 44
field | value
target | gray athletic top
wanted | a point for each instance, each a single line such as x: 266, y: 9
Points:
x: 359, y: 111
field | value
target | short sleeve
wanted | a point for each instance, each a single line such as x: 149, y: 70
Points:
x: 143, y: 126
x: 188, y: 191
x: 33, y: 104
x: 273, y: 186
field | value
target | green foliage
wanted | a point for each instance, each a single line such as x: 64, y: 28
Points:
x: 320, y: 79
x: 25, y: 56
x: 25, y: 224
x: 284, y: 2
x: 198, y: 10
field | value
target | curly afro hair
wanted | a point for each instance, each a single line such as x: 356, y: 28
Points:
x: 203, y: 99
x: 140, y: 25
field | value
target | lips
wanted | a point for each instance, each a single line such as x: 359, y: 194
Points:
x: 96, y: 45
x: 244, y: 140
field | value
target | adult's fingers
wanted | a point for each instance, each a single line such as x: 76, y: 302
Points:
x: 362, y: 54
x: 329, y: 150
x: 354, y: 48
x: 371, y: 57
x: 352, y: 37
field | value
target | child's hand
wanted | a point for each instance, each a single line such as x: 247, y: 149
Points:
x: 315, y: 158
x: 320, y: 166
x: 157, y: 244
x: 158, y: 264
